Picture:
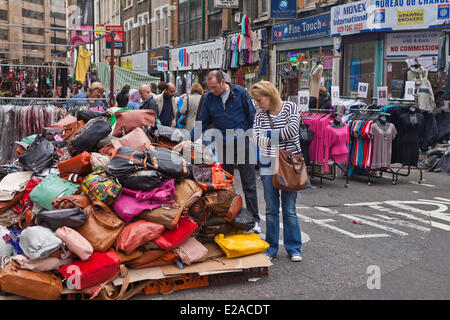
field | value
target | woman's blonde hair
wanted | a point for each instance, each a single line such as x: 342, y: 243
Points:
x: 96, y: 85
x: 266, y: 88
x: 196, y: 88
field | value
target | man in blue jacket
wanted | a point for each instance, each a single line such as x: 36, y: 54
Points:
x: 228, y: 106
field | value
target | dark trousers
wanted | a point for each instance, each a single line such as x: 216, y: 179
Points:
x: 248, y: 178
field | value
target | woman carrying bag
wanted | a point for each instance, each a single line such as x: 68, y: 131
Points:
x: 191, y: 107
x: 276, y: 128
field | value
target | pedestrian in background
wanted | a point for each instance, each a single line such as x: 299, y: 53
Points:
x: 135, y: 100
x: 284, y: 134
x: 123, y: 96
x: 228, y: 106
x: 148, y: 102
x: 191, y: 104
x: 161, y: 87
x: 167, y: 106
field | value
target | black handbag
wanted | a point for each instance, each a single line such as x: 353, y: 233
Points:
x: 40, y: 155
x: 88, y: 136
x: 168, y: 162
x: 54, y: 219
x: 145, y: 180
x: 244, y: 220
x: 125, y: 161
x: 87, y: 115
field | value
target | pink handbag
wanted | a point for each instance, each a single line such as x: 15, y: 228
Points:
x: 138, y: 233
x: 192, y: 251
x: 131, y: 202
x: 136, y: 139
x: 75, y: 242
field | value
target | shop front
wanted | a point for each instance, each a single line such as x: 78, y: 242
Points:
x: 300, y: 46
x: 381, y: 40
x: 403, y: 49
x: 190, y: 64
x: 155, y: 55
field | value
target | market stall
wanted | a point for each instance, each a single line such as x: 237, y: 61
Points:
x: 110, y: 205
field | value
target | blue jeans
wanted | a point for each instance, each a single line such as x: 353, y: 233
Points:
x: 291, y: 228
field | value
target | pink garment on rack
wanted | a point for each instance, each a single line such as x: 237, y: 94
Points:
x: 336, y: 143
x: 323, y: 124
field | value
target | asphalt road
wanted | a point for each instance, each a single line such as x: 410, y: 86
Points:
x: 398, y: 250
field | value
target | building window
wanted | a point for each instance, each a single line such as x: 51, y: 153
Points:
x: 190, y: 24
x: 263, y: 8
x: 58, y: 3
x: 3, y: 14
x: 32, y: 14
x: 166, y: 26
x: 360, y: 63
x: 41, y: 2
x: 128, y: 24
x: 4, y: 34
x: 55, y: 40
x: 158, y: 28
x: 214, y: 20
x: 143, y: 31
x: 34, y: 47
x: 128, y: 4
x: 35, y: 31
x: 57, y: 15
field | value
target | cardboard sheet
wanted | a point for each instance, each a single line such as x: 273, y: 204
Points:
x: 220, y: 264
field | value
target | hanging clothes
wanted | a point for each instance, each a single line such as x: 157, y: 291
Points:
x: 382, y: 137
x: 336, y: 143
x: 83, y: 61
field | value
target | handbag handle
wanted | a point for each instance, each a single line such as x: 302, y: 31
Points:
x: 70, y: 200
x: 108, y: 218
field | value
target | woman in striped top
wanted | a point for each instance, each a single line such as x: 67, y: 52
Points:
x: 284, y: 134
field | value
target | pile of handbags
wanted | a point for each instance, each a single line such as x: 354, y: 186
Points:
x: 89, y: 200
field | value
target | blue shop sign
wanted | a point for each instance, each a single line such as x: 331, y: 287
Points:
x: 311, y: 27
x: 283, y: 9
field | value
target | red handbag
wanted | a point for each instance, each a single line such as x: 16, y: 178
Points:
x: 138, y: 233
x: 99, y: 268
x: 171, y: 239
x: 80, y: 164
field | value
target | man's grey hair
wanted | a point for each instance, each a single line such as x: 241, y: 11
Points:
x: 217, y: 74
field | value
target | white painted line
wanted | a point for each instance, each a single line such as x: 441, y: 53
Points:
x: 378, y: 206
x: 422, y: 184
x: 389, y: 220
x: 304, y: 207
x: 323, y: 223
x: 440, y: 213
x: 373, y: 224
x: 327, y: 210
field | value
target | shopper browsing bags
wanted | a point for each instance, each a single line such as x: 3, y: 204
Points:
x: 285, y: 118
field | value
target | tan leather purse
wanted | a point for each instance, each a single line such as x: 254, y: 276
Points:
x: 290, y: 172
x: 102, y: 228
x: 30, y: 284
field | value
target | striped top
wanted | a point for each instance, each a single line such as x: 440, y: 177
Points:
x: 286, y: 133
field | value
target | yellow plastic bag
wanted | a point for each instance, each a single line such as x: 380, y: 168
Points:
x: 240, y: 244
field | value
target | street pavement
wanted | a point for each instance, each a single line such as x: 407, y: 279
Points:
x: 380, y: 242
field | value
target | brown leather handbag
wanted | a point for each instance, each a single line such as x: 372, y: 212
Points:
x: 30, y: 284
x: 235, y: 208
x: 102, y: 228
x: 80, y: 164
x: 80, y: 200
x: 128, y: 120
x: 167, y: 216
x: 290, y: 172
x: 138, y: 233
x: 70, y: 129
x: 219, y: 201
